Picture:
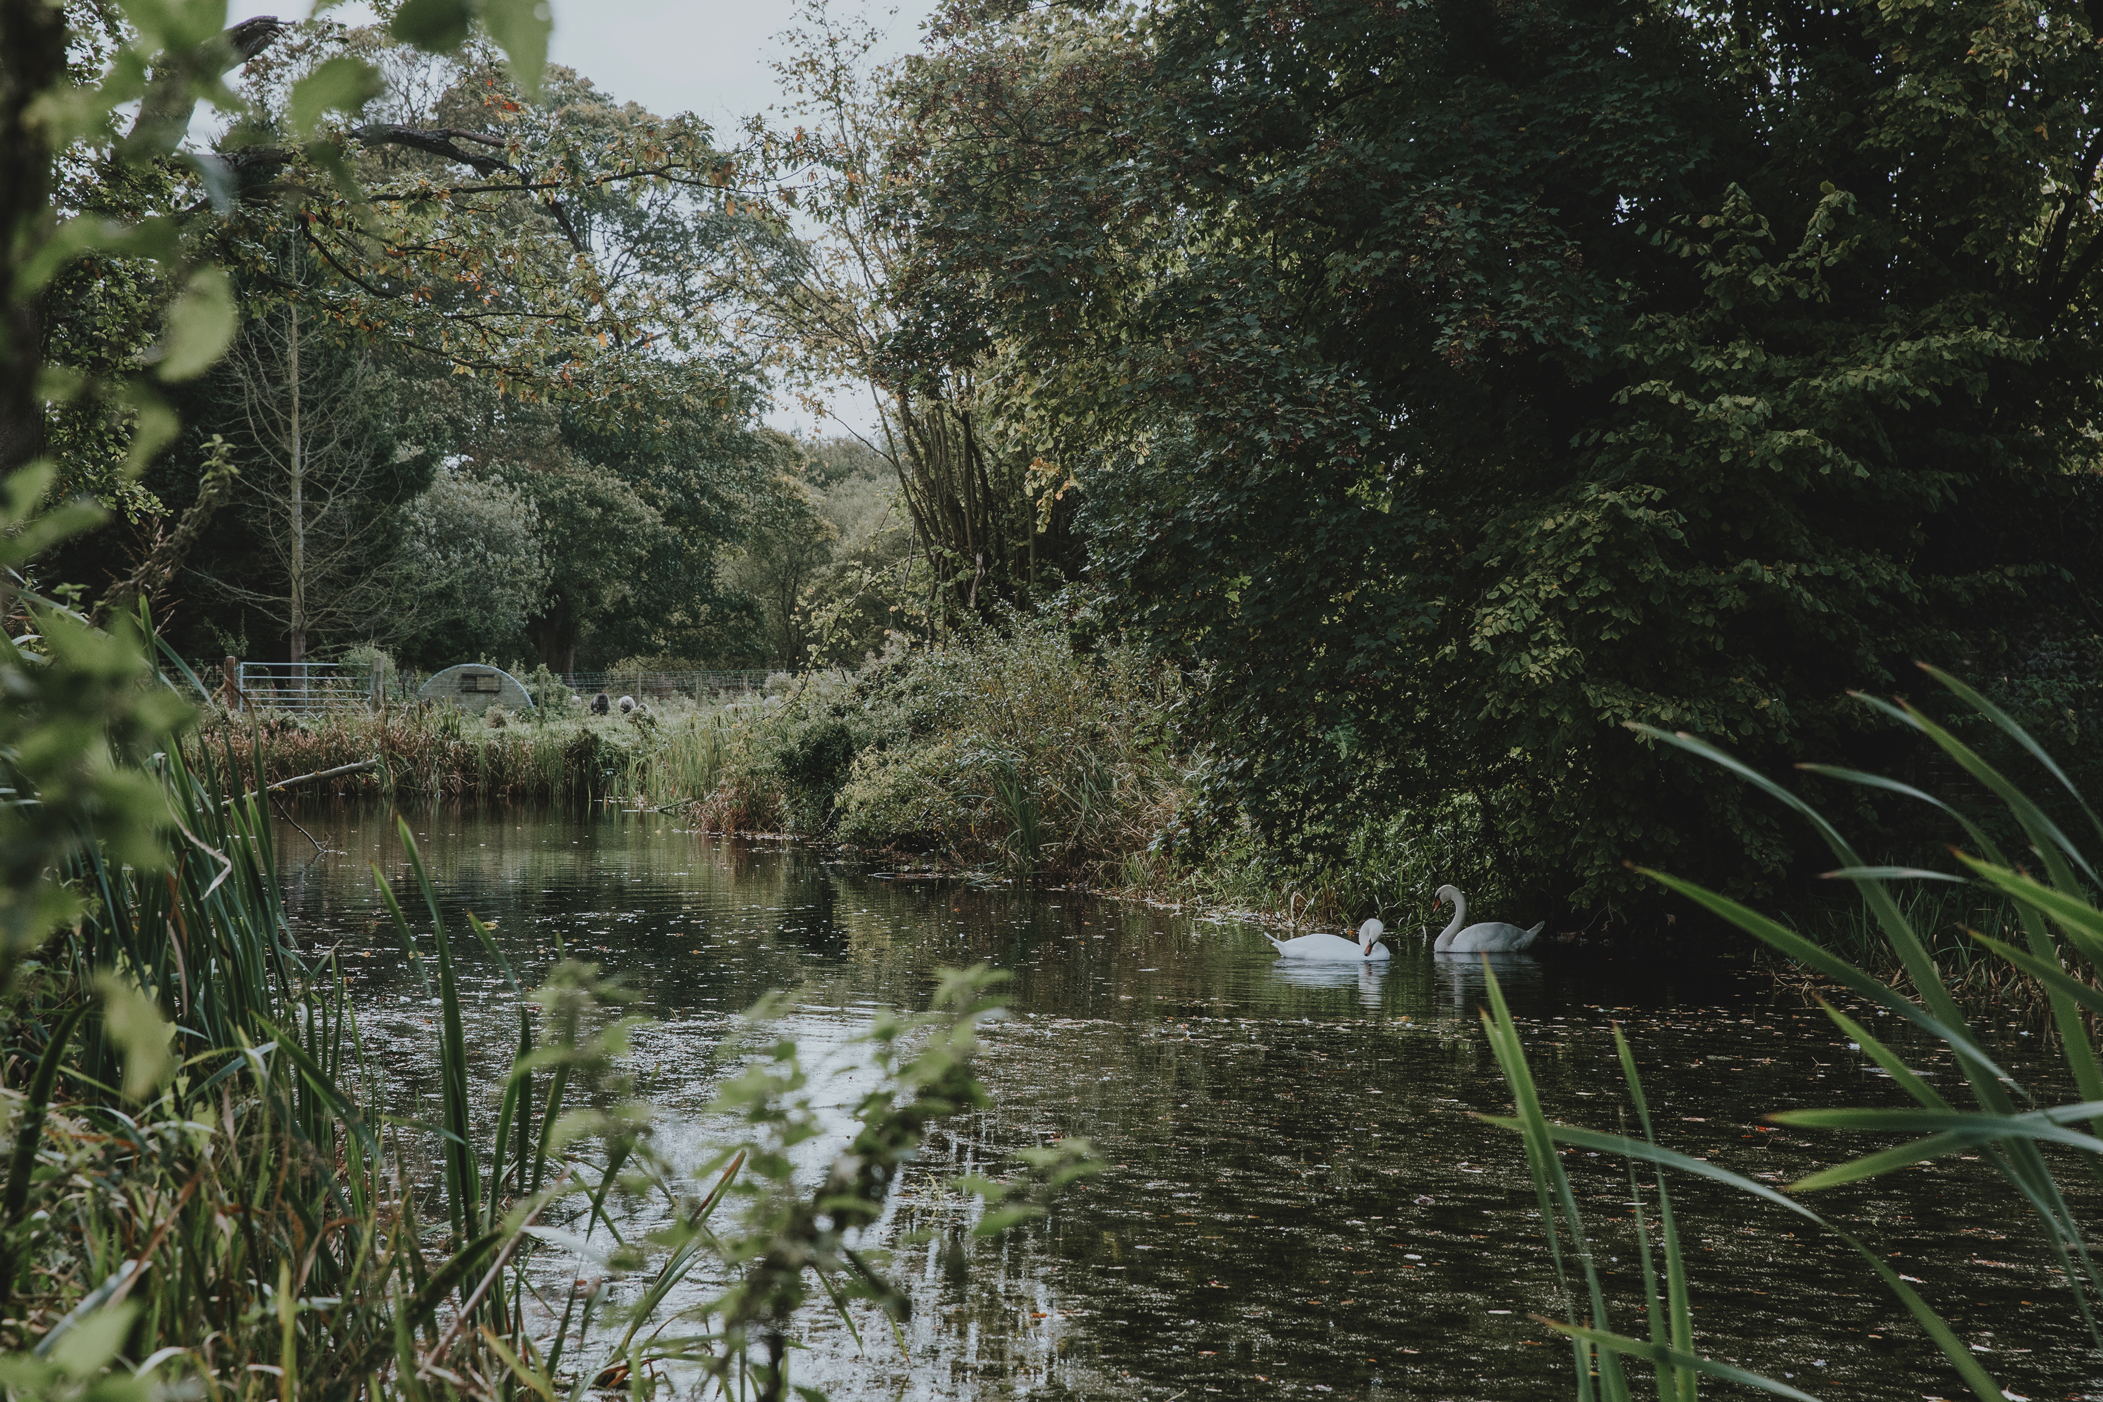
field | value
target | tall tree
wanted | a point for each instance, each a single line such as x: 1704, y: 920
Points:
x: 562, y: 245
x: 470, y: 573
x: 820, y: 273
x: 1456, y: 383
x: 316, y: 465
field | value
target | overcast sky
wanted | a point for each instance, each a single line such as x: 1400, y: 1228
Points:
x: 708, y: 57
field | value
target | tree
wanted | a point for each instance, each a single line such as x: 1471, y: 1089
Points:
x: 1455, y: 384
x: 963, y: 470
x: 316, y: 462
x: 705, y: 476
x: 470, y: 573
x: 542, y: 236
x: 549, y: 265
x: 787, y: 545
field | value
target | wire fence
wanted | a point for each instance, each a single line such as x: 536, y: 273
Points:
x: 699, y: 687
x: 306, y: 688
x: 317, y: 688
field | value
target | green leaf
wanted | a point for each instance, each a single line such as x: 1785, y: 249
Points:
x: 175, y: 24
x: 2082, y: 922
x: 521, y: 29
x: 153, y: 427
x: 1833, y: 967
x: 1882, y: 1162
x: 329, y: 155
x: 200, y: 326
x: 435, y: 26
x: 338, y: 85
x: 1901, y: 1074
x: 134, y: 1023
x: 1652, y: 1153
x: 29, y: 536
x: 93, y: 1341
x: 2046, y: 1125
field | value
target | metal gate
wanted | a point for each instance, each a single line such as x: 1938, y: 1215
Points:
x: 306, y: 688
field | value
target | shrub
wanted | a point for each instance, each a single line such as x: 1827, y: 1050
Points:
x: 1008, y: 746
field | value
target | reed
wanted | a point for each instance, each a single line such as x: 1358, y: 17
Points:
x: 2052, y: 941
x: 1006, y: 749
x: 430, y: 752
x: 675, y: 762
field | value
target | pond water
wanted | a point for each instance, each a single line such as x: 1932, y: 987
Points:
x: 1299, y: 1202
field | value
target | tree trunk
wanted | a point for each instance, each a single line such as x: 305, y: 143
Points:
x: 32, y: 61
x: 556, y: 640
x: 296, y: 629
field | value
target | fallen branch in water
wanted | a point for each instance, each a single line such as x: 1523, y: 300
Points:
x: 359, y: 768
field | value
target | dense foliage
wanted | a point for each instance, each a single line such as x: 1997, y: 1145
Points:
x: 1004, y: 748
x: 1455, y: 384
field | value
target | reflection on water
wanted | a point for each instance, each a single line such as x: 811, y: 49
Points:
x: 1299, y: 1201
x: 1365, y: 977
x: 1463, y: 980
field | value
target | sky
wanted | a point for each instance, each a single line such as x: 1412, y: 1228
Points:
x: 708, y: 57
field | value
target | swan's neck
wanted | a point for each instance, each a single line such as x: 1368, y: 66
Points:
x: 1460, y: 914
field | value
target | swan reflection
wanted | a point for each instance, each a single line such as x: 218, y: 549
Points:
x: 1467, y: 988
x: 1365, y: 977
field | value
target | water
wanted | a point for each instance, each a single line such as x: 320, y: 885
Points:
x: 1300, y: 1202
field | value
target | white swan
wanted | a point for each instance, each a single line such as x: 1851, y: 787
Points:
x: 1490, y: 937
x: 1366, y: 946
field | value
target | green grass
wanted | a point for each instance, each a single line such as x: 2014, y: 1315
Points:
x: 660, y: 758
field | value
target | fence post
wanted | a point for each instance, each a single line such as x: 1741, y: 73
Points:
x: 231, y: 667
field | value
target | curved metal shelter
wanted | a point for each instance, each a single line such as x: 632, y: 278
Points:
x: 474, y: 686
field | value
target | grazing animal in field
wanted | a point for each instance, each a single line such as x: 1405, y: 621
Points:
x: 626, y: 703
x: 1489, y: 937
x: 1366, y: 946
x: 598, y: 704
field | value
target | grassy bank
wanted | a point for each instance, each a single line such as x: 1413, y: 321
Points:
x: 1015, y: 752
x: 424, y: 752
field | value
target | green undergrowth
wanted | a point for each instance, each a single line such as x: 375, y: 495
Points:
x: 1013, y: 751
x: 423, y: 752
x: 1010, y: 749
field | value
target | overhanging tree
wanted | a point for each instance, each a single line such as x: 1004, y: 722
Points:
x: 1456, y: 383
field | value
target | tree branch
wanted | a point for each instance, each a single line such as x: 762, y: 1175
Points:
x: 167, y: 557
x: 442, y: 142
x: 164, y: 113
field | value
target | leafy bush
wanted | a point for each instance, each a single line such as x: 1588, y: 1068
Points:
x: 1008, y: 746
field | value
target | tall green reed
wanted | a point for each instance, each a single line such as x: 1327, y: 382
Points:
x: 675, y: 764
x: 2051, y: 891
